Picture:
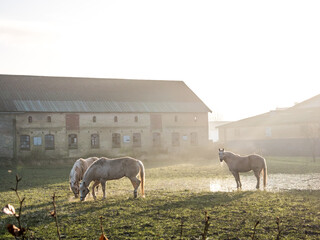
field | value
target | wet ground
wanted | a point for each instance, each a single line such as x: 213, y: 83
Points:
x: 275, y: 182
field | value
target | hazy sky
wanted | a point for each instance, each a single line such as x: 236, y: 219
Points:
x: 242, y: 58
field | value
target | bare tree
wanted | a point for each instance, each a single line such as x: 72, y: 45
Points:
x: 312, y: 133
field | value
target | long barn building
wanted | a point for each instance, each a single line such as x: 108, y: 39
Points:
x: 66, y: 117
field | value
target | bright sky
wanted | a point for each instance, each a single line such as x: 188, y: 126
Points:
x: 242, y: 58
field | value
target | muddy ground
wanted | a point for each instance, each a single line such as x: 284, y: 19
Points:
x: 275, y: 182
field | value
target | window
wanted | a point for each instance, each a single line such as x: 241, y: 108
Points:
x: 115, y: 119
x: 37, y: 141
x: 116, y: 142
x: 49, y: 119
x: 136, y: 140
x: 73, y: 141
x: 175, y: 139
x: 194, y: 139
x: 156, y: 139
x: 24, y: 142
x: 29, y: 119
x: 94, y: 119
x: 95, y: 143
x: 49, y: 142
x: 136, y: 119
x: 268, y: 132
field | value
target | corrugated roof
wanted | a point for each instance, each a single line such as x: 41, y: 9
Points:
x: 304, y: 112
x: 68, y: 94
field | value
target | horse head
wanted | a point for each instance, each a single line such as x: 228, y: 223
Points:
x: 83, y: 191
x: 221, y: 154
x: 75, y: 188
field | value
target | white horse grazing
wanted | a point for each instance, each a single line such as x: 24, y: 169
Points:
x: 110, y: 169
x: 77, y: 172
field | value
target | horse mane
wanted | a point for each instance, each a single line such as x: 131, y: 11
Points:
x: 78, y: 170
x: 231, y: 153
x: 87, y: 177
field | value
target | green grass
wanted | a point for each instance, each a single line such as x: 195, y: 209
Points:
x: 175, y: 194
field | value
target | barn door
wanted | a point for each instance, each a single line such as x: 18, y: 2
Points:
x: 156, y: 122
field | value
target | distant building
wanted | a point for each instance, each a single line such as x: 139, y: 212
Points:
x: 293, y: 131
x: 65, y: 117
x: 214, y: 131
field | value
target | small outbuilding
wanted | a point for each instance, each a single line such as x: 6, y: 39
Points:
x: 293, y: 131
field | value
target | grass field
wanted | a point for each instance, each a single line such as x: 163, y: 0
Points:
x: 177, y: 198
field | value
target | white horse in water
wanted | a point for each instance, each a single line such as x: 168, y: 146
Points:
x: 77, y: 172
x: 238, y: 164
x: 110, y: 169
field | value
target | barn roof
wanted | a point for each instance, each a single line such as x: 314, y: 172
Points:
x: 307, y: 111
x: 72, y: 94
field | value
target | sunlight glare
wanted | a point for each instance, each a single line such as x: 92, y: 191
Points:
x: 215, y: 186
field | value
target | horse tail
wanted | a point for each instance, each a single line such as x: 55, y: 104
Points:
x: 142, y: 177
x: 265, y: 174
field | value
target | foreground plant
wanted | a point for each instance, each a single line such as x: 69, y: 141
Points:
x: 254, y: 230
x: 206, y: 226
x: 103, y: 236
x: 53, y: 213
x: 10, y: 210
x: 278, y: 228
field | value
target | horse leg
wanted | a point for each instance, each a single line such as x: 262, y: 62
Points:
x: 257, y: 174
x: 135, y: 183
x: 103, y: 184
x: 237, y: 178
x: 93, y: 192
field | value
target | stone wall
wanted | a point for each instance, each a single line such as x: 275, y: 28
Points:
x: 7, y: 137
x: 177, y: 131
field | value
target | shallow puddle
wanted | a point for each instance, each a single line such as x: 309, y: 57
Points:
x: 275, y: 182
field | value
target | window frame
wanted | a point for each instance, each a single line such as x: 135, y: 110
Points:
x: 136, y: 140
x: 194, y: 139
x: 95, y: 140
x: 156, y: 139
x: 27, y: 142
x: 116, y: 140
x: 49, y: 142
x: 72, y: 141
x: 175, y: 139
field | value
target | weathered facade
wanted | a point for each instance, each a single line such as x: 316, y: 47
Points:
x: 59, y: 117
x: 293, y: 131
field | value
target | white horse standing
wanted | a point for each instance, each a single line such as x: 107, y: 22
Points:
x: 110, y: 169
x: 238, y: 164
x: 77, y: 172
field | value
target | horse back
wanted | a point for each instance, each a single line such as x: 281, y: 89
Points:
x: 110, y: 169
x: 256, y: 161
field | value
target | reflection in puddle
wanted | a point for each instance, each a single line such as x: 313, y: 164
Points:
x: 275, y: 182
